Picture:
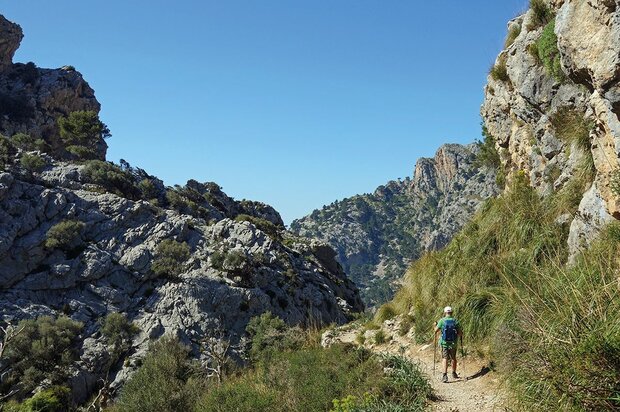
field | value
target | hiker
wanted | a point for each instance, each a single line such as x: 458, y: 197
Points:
x: 450, y: 330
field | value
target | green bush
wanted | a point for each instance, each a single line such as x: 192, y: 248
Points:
x: 380, y: 337
x: 487, y: 155
x: 243, y: 396
x: 499, y: 71
x: 118, y: 332
x: 542, y: 14
x: 167, y: 381
x: 65, y: 235
x: 43, y: 350
x: 32, y: 162
x: 82, y: 132
x: 513, y: 33
x: 147, y: 189
x: 112, y: 178
x: 235, y: 261
x: 7, y: 150
x: 270, y: 335
x: 264, y: 225
x: 548, y: 53
x: 170, y: 258
x: 217, y: 259
x: 55, y: 399
x: 26, y: 142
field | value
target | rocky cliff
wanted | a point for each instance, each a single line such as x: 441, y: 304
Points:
x: 377, y: 235
x: 88, y: 238
x: 551, y: 106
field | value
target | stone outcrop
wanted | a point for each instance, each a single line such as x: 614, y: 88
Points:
x: 10, y: 37
x: 524, y: 112
x: 377, y: 235
x: 32, y: 99
x: 241, y: 263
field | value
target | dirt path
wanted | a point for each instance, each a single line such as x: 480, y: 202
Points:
x: 478, y: 389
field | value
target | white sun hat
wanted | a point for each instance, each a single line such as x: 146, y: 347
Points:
x: 447, y: 309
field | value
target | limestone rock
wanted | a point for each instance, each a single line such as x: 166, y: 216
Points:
x: 520, y: 113
x: 10, y: 37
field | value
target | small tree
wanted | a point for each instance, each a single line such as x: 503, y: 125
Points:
x: 64, y: 235
x: 166, y: 381
x: 118, y: 332
x: 81, y: 132
x: 170, y: 258
x: 42, y: 350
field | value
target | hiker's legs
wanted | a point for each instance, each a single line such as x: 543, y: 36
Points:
x: 453, y: 365
x: 445, y: 365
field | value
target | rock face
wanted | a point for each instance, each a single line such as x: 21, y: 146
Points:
x: 555, y: 126
x: 241, y: 261
x: 11, y: 36
x: 377, y: 235
x: 32, y: 99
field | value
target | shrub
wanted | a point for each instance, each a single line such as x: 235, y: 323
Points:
x: 170, y: 258
x: 65, y: 235
x: 118, y: 332
x: 270, y: 335
x: 32, y: 162
x: 54, y: 399
x: 112, y: 178
x: 243, y: 396
x: 7, y: 150
x: 167, y: 380
x: 499, y: 71
x: 148, y: 189
x: 542, y: 14
x: 310, y: 379
x: 217, y: 259
x: 406, y: 384
x: 571, y: 127
x: 82, y: 131
x: 487, y: 155
x: 235, y: 261
x: 380, y: 337
x: 513, y: 33
x: 548, y: 53
x: 43, y: 350
x: 28, y: 143
x: 385, y: 312
x: 264, y: 225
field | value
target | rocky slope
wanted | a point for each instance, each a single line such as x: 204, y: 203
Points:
x: 91, y: 238
x: 377, y: 235
x: 552, y: 104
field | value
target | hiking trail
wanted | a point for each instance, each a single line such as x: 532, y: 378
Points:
x: 480, y: 392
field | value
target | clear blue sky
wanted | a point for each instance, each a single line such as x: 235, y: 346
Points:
x: 294, y: 103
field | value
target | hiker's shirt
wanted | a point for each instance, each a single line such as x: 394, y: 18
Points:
x: 440, y: 324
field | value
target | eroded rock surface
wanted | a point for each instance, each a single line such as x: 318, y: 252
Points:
x: 526, y: 112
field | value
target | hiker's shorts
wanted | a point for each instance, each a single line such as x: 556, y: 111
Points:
x: 448, y: 353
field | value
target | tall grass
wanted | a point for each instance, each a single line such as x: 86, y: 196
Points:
x: 552, y: 329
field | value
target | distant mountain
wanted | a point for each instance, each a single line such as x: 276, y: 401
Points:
x: 377, y: 235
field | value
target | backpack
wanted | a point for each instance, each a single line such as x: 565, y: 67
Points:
x: 448, y: 331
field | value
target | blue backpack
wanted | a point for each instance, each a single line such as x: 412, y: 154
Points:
x: 448, y: 331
